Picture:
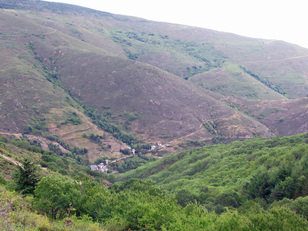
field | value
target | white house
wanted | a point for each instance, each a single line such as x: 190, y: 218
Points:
x: 101, y: 168
x: 94, y: 167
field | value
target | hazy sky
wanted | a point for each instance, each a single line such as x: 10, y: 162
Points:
x: 270, y: 19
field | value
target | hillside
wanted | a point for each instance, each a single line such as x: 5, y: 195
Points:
x: 234, y: 167
x: 150, y: 81
x: 282, y: 116
x: 257, y: 184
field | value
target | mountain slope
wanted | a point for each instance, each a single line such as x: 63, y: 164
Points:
x: 31, y: 96
x: 284, y: 117
x: 167, y: 105
x: 231, y: 80
x: 156, y: 95
x: 181, y: 50
x: 128, y: 68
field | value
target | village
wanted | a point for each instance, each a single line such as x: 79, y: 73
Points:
x: 103, y: 167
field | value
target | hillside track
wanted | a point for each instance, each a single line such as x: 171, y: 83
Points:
x: 274, y: 60
x: 11, y: 160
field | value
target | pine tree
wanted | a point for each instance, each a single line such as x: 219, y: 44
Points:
x: 26, y: 177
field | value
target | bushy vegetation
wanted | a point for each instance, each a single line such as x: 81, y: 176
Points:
x: 17, y: 214
x: 271, y: 194
x: 70, y: 163
x: 72, y: 118
x: 37, y: 126
x: 74, y: 150
x: 132, y: 163
x: 267, y: 82
x: 202, y: 56
x: 49, y: 73
x: 132, y: 205
x: 103, y: 123
x: 219, y: 176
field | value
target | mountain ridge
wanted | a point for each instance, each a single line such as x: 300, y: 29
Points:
x: 183, y: 83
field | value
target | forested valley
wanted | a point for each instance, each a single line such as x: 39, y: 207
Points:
x: 257, y: 184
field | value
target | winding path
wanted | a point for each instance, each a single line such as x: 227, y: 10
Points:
x: 11, y: 160
x: 273, y: 60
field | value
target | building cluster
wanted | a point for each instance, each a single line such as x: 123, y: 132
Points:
x: 159, y: 146
x: 103, y: 167
x: 100, y: 167
x: 132, y: 150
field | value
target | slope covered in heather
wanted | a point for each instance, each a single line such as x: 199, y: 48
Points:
x: 161, y: 82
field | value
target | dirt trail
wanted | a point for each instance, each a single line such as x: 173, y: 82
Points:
x: 273, y: 60
x: 54, y: 31
x: 51, y: 32
x: 122, y: 158
x: 200, y: 129
x: 10, y: 159
x: 11, y: 134
x: 66, y: 135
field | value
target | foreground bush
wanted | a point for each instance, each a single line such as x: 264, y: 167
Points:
x: 16, y: 214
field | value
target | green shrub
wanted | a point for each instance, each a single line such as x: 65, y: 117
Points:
x: 2, y: 180
x: 4, y: 139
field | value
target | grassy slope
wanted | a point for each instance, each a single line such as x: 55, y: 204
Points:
x: 276, y: 61
x: 230, y: 80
